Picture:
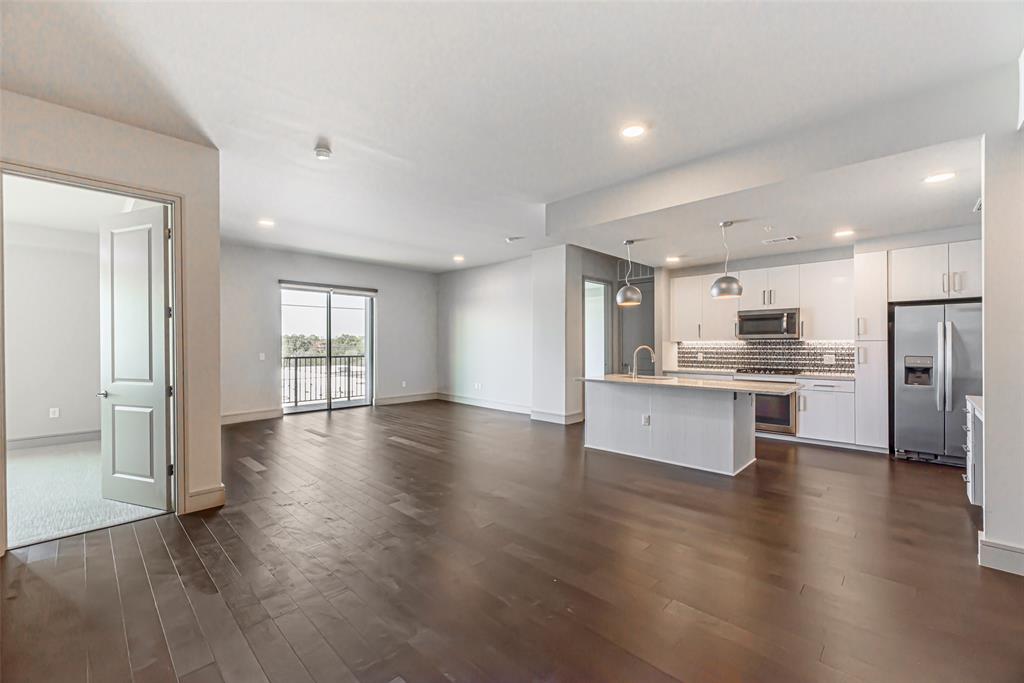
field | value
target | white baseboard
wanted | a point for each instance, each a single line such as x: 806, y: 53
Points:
x: 204, y: 499
x: 1005, y: 557
x: 251, y: 415
x: 820, y: 442
x: 53, y: 439
x: 403, y: 398
x: 556, y: 418
x: 485, y: 403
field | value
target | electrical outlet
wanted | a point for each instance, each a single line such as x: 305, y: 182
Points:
x: 54, y: 412
x: 477, y: 385
x: 403, y: 384
x: 700, y: 355
x: 263, y: 356
x: 828, y: 359
x: 645, y: 420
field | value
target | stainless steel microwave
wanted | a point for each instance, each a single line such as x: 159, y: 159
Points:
x: 776, y: 323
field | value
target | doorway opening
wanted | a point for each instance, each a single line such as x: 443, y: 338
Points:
x: 88, y: 358
x: 597, y: 328
x: 326, y: 347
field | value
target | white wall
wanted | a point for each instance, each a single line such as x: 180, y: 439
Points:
x: 406, y: 325
x: 485, y: 335
x: 52, y: 309
x: 46, y: 136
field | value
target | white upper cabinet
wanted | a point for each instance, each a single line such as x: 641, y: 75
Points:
x: 784, y: 287
x: 770, y: 288
x: 684, y: 307
x: 965, y: 269
x: 826, y: 300
x: 919, y: 273
x: 937, y: 271
x: 718, y: 316
x: 871, y: 295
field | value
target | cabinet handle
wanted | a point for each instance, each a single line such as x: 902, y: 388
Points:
x: 800, y: 407
x: 957, y: 284
x: 801, y: 328
x: 860, y: 326
x: 698, y: 331
x: 860, y: 355
x: 736, y: 329
x: 764, y: 301
x: 945, y: 282
x: 825, y: 386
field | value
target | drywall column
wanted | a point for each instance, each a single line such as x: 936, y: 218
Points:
x: 551, y: 371
x: 1001, y: 545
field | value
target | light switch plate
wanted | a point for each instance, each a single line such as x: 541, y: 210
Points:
x: 828, y: 359
x: 403, y: 384
x: 700, y: 355
x: 54, y: 412
x: 645, y: 420
x: 263, y: 356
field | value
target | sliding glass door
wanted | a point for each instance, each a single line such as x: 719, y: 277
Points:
x: 317, y: 374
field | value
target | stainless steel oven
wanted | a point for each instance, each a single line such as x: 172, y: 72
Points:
x: 778, y: 323
x: 775, y: 413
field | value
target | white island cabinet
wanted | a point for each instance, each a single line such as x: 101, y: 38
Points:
x: 703, y: 424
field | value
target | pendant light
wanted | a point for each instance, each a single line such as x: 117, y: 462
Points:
x: 628, y: 295
x: 726, y: 287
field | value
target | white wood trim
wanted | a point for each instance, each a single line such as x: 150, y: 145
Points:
x: 485, y: 403
x: 404, y: 398
x: 820, y: 442
x: 251, y: 415
x: 203, y: 499
x: 53, y: 439
x: 1005, y: 557
x: 556, y: 418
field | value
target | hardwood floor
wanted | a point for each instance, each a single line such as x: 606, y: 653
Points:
x: 432, y: 542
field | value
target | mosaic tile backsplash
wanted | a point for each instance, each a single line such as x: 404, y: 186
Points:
x: 807, y: 356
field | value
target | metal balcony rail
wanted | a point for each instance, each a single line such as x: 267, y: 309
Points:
x: 308, y: 379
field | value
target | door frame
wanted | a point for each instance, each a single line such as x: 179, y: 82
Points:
x: 177, y: 403
x: 609, y: 325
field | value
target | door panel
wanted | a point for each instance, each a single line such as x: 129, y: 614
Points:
x: 964, y: 324
x: 718, y: 316
x: 919, y: 273
x: 965, y: 268
x: 826, y: 300
x: 755, y: 289
x: 871, y: 295
x: 133, y: 358
x: 784, y: 287
x: 685, y: 310
x: 918, y: 421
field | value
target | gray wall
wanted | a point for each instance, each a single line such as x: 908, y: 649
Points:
x: 406, y: 323
x: 52, y: 354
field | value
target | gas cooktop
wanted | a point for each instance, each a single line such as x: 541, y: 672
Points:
x: 768, y: 371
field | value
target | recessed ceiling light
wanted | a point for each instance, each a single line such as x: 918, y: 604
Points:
x: 458, y: 258
x: 265, y: 222
x: 845, y: 232
x: 635, y: 130
x: 940, y: 177
x: 671, y: 259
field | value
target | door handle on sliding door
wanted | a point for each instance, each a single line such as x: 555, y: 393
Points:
x: 940, y: 352
x: 102, y: 394
x: 947, y: 372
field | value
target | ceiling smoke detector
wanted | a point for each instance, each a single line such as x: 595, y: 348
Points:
x: 322, y: 151
x: 780, y: 240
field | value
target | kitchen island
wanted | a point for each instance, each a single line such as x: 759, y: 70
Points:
x: 703, y: 424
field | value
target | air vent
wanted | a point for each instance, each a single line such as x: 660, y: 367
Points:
x: 977, y: 206
x: 640, y: 271
x: 780, y: 240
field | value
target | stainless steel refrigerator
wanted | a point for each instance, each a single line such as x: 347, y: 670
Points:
x: 936, y: 363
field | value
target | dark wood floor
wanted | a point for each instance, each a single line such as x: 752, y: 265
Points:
x: 433, y: 541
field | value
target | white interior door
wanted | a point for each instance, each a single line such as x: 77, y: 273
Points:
x: 133, y: 358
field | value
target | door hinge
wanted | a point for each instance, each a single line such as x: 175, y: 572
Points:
x: 168, y: 233
x: 170, y: 312
x: 170, y: 391
x: 170, y: 470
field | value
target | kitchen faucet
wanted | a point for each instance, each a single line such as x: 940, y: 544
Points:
x: 649, y: 350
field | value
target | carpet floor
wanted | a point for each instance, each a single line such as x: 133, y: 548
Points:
x: 54, y: 491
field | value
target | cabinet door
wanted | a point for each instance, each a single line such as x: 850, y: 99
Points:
x: 685, y: 309
x: 965, y: 268
x: 872, y: 392
x: 826, y: 300
x: 755, y: 289
x: 919, y: 273
x: 718, y: 316
x: 784, y: 287
x: 870, y: 295
x: 825, y: 415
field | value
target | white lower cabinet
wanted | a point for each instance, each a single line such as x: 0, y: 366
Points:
x: 872, y: 392
x: 825, y: 411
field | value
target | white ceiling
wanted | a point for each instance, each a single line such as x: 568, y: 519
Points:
x: 38, y: 203
x: 876, y: 198
x: 453, y: 124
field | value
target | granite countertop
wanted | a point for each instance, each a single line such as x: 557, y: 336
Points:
x: 703, y: 371
x: 770, y: 388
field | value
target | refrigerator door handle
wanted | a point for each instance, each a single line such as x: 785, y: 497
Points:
x: 940, y: 381
x: 947, y: 372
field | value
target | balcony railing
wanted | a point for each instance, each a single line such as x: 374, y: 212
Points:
x: 307, y: 379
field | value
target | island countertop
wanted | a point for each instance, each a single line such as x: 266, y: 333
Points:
x: 746, y: 386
